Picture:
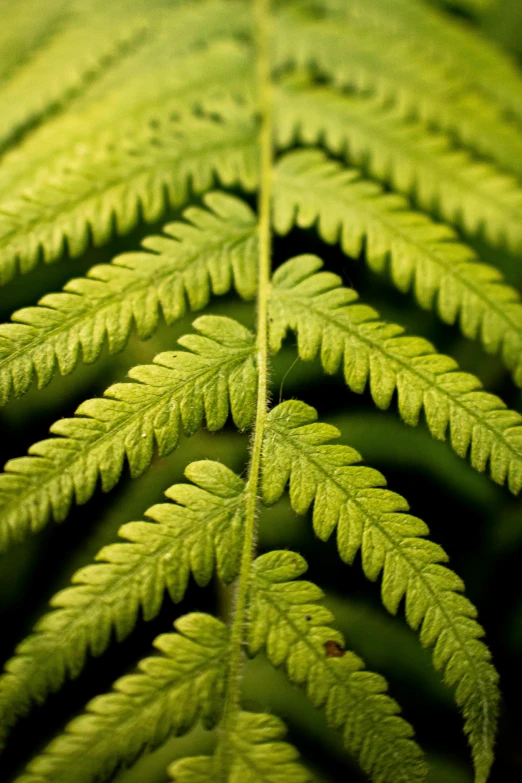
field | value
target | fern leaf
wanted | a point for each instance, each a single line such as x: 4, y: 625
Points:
x: 187, y: 41
x: 176, y: 66
x: 183, y: 30
x: 106, y: 47
x: 285, y: 618
x: 106, y: 184
x: 327, y: 320
x: 204, y: 524
x: 171, y: 396
x: 473, y: 195
x: 434, y: 36
x: 374, y: 61
x: 201, y: 256
x: 110, y: 113
x: 89, y: 44
x: 352, y: 499
x: 165, y: 698
x: 423, y: 255
x: 258, y: 756
x: 31, y: 26
x: 163, y: 85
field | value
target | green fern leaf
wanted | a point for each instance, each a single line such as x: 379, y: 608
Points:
x: 176, y: 66
x: 105, y: 46
x: 171, y: 396
x: 112, y: 113
x: 373, y: 61
x: 285, y: 618
x: 434, y: 36
x: 165, y: 698
x: 204, y: 524
x: 89, y: 43
x: 258, y: 756
x: 181, y: 38
x: 368, y: 517
x: 202, y: 256
x: 113, y: 180
x: 423, y: 255
x: 31, y: 27
x: 472, y: 194
x: 329, y: 322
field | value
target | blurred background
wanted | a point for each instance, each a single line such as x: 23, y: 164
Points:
x: 479, y: 524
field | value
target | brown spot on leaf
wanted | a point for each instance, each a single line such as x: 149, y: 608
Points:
x: 333, y: 649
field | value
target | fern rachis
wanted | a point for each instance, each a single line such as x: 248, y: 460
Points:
x: 402, y: 159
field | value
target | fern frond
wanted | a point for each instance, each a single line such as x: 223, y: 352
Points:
x: 258, y: 756
x: 286, y: 620
x: 89, y: 44
x: 212, y: 250
x: 186, y: 58
x: 175, y: 31
x: 165, y: 698
x: 373, y: 61
x: 171, y: 396
x: 105, y: 185
x: 352, y: 499
x: 329, y: 322
x: 106, y: 48
x: 423, y: 255
x: 31, y: 26
x: 111, y: 111
x: 202, y: 526
x: 432, y: 35
x: 176, y: 55
x: 423, y: 165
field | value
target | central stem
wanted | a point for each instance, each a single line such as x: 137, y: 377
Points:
x: 232, y: 703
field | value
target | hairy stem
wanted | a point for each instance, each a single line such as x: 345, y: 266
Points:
x: 232, y: 702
